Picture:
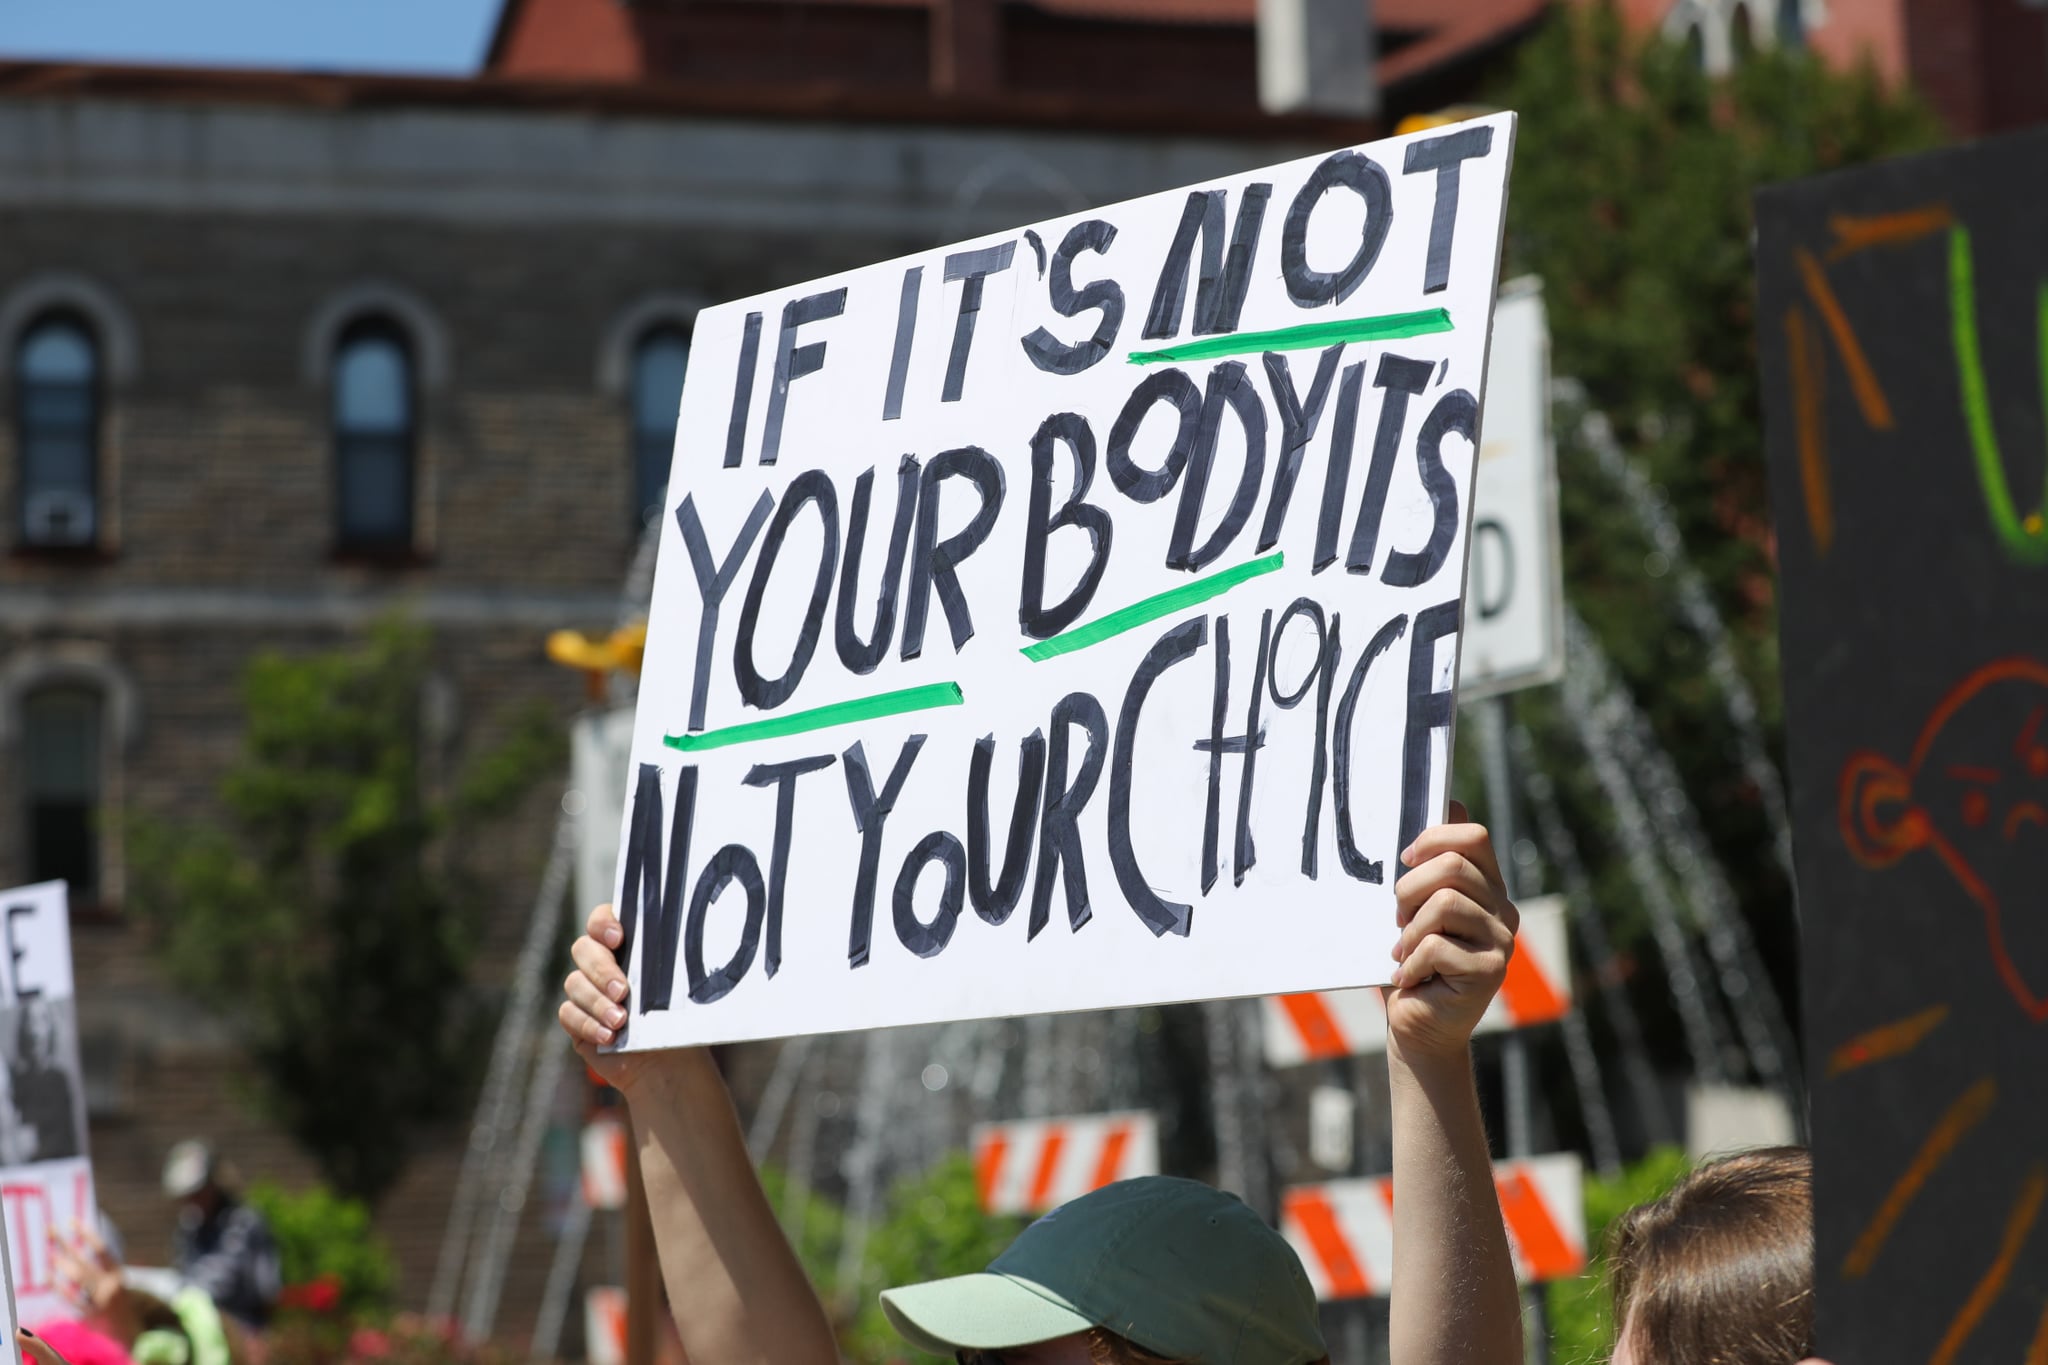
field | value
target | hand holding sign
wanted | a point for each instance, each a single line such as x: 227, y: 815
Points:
x: 594, y: 1008
x: 1457, y: 933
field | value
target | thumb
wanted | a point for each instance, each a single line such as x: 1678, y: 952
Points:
x: 34, y: 1348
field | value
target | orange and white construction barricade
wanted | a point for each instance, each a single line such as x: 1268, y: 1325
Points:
x: 1316, y: 1025
x: 604, y: 1325
x: 1032, y: 1165
x: 604, y: 1163
x: 1344, y: 1229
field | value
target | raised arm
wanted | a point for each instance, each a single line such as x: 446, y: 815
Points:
x: 1454, y: 1299
x: 740, y: 1296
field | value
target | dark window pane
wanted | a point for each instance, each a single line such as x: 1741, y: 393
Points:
x: 56, y: 411
x: 59, y: 351
x: 57, y: 458
x: 61, y: 781
x: 372, y: 391
x: 376, y: 490
x: 373, y: 438
x: 658, y: 367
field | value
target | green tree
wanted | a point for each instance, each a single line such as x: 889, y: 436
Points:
x: 1631, y: 199
x: 931, y: 1226
x: 325, y: 914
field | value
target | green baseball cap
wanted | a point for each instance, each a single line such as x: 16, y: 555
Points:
x: 1179, y: 1268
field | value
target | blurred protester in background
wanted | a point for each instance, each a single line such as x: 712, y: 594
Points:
x: 43, y: 1094
x: 222, y: 1245
x: 34, y: 1348
x: 121, y: 1324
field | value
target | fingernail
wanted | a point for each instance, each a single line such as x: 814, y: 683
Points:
x: 617, y: 989
x: 612, y: 933
x: 25, y: 1332
x: 1408, y: 856
x: 604, y: 1035
x: 1395, y: 980
x: 615, y: 1016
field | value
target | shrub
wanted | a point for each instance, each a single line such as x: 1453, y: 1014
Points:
x: 324, y: 1239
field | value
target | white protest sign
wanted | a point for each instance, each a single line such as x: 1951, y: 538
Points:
x: 1068, y: 618
x: 45, y: 1176
x: 1514, y: 605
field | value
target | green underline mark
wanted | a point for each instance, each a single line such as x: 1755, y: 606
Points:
x: 1151, y: 609
x: 1385, y: 327
x: 821, y: 717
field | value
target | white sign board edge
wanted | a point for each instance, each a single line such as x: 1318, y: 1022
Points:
x: 1259, y: 926
x: 42, y: 1191
x: 599, y: 744
x: 1514, y: 608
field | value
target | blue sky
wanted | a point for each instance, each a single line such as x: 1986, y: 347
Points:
x: 435, y: 37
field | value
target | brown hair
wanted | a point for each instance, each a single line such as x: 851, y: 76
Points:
x: 1720, y: 1270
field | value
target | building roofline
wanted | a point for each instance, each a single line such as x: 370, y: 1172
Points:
x: 811, y: 102
x: 501, y: 29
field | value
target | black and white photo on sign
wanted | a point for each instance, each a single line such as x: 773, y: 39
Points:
x: 42, y: 1109
x: 46, y: 1185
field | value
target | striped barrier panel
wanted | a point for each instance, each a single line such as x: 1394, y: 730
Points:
x: 604, y: 1325
x: 1033, y: 1165
x: 1343, y: 1230
x: 1316, y: 1025
x: 604, y: 1163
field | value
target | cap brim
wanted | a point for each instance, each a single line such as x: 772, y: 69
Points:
x: 984, y: 1312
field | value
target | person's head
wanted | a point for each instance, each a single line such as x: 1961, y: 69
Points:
x: 1720, y: 1270
x: 35, y: 1039
x: 1152, y: 1271
x: 191, y: 1175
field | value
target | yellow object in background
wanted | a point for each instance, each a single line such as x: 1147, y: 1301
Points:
x: 1456, y: 113
x: 619, y: 652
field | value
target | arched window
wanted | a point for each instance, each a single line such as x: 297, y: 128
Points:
x: 373, y: 437
x: 1741, y: 33
x: 1696, y: 46
x: 57, y: 426
x: 61, y: 777
x: 660, y: 358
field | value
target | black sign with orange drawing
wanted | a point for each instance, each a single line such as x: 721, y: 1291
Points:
x: 1904, y: 334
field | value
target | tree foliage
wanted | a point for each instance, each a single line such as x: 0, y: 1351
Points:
x: 1580, y: 1309
x: 325, y: 914
x: 1631, y: 199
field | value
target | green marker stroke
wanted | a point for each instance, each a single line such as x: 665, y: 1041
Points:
x: 1384, y: 327
x: 2026, y: 539
x: 1150, y: 609
x: 822, y: 717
